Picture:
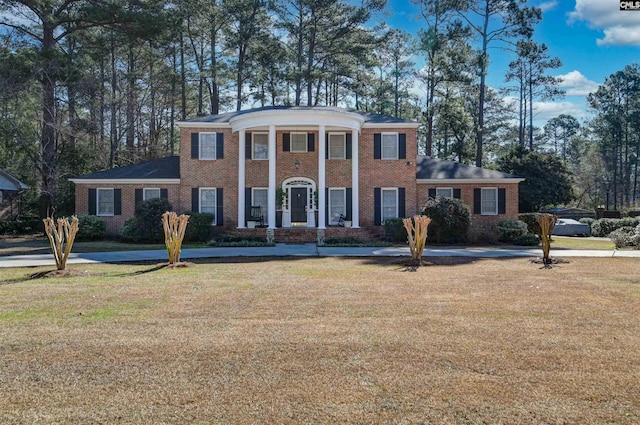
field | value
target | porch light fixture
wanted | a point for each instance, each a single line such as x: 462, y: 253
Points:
x: 297, y: 164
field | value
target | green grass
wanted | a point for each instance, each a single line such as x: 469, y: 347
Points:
x: 564, y: 242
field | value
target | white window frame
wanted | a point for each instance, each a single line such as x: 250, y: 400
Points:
x: 201, y: 156
x: 343, y: 155
x: 253, y: 197
x: 442, y: 189
x: 215, y: 203
x: 113, y: 202
x: 382, y: 205
x: 343, y: 206
x: 306, y: 142
x: 397, y: 143
x: 483, y: 210
x: 146, y: 197
x: 253, y: 146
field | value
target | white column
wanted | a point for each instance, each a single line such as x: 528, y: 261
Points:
x: 271, y: 194
x: 322, y: 146
x: 241, y: 179
x: 355, y: 180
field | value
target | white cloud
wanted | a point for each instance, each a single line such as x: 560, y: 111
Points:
x: 576, y: 84
x: 545, y: 6
x: 544, y: 111
x: 620, y: 28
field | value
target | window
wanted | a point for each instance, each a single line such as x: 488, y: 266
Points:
x: 259, y: 198
x: 298, y: 142
x: 389, y: 203
x: 489, y: 201
x: 337, y: 204
x: 389, y: 145
x: 207, y: 146
x: 337, y: 146
x: 1, y: 199
x: 208, y: 201
x: 105, y: 202
x: 446, y: 192
x: 260, y: 145
x: 150, y: 194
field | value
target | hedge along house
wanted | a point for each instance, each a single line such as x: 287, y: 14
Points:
x: 299, y: 168
x: 10, y: 190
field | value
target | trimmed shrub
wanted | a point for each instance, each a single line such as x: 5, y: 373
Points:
x: 450, y: 220
x: 530, y: 220
x: 509, y: 229
x: 91, y: 228
x: 587, y: 220
x: 604, y: 226
x: 394, y: 230
x: 146, y: 223
x: 239, y: 241
x: 624, y: 237
x: 199, y: 227
x: 526, y: 239
x: 22, y: 226
x: 352, y: 241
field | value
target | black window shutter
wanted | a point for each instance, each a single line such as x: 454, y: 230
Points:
x: 138, y: 197
x: 247, y: 203
x: 402, y: 146
x: 348, y: 146
x: 456, y: 194
x: 431, y: 193
x: 377, y: 206
x: 349, y: 205
x: 93, y: 199
x: 248, y: 152
x: 195, y: 145
x: 195, y: 199
x: 401, y: 202
x: 164, y: 193
x: 219, y: 209
x: 326, y: 206
x: 326, y: 144
x: 502, y: 201
x: 311, y: 142
x: 477, y: 201
x: 377, y: 146
x: 117, y: 201
x: 286, y: 142
x: 219, y: 145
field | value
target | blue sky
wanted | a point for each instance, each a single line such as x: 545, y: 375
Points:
x: 593, y: 39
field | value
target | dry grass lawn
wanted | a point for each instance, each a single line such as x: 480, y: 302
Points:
x: 323, y: 341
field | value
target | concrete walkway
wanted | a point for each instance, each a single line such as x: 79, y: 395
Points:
x: 307, y: 250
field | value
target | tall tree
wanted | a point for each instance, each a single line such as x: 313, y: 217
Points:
x: 493, y: 22
x: 617, y: 125
x: 559, y: 132
x: 529, y: 71
x: 47, y: 23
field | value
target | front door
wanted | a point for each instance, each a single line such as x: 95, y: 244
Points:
x: 298, y: 205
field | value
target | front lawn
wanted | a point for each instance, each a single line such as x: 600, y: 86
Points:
x: 323, y: 340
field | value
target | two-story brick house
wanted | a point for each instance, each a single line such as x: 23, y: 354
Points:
x: 296, y: 167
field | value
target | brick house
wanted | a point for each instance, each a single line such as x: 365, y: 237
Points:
x: 297, y: 168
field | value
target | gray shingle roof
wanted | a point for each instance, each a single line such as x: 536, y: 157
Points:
x: 8, y: 182
x: 161, y: 168
x: 429, y: 168
x: 368, y: 117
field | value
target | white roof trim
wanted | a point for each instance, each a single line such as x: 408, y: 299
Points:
x: 466, y: 181
x: 297, y: 117
x: 125, y: 181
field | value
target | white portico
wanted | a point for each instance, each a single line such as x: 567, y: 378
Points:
x: 303, y: 194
